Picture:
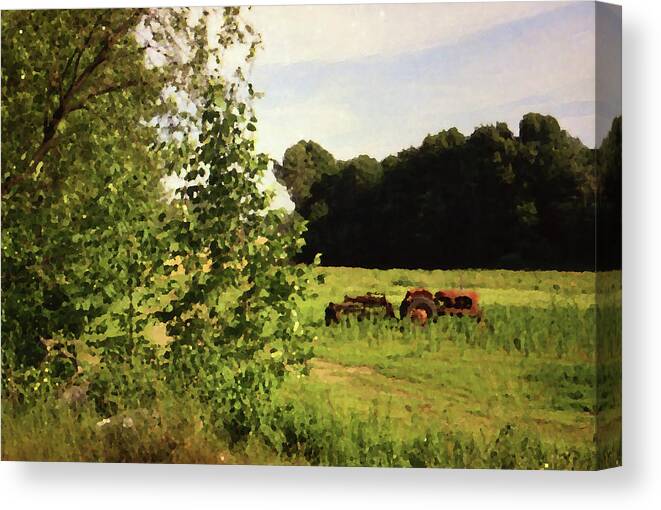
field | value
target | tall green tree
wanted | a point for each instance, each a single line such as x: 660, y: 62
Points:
x: 609, y: 198
x: 303, y: 164
x: 237, y: 312
x: 98, y: 107
x: 557, y: 172
x: 82, y: 159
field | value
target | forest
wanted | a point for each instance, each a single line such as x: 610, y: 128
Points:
x: 488, y: 200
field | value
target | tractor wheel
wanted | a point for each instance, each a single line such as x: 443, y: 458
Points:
x: 404, y: 308
x: 423, y: 303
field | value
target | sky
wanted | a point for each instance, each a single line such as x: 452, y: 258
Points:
x: 374, y: 79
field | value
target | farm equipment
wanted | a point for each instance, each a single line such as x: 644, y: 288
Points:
x: 363, y: 307
x: 421, y: 305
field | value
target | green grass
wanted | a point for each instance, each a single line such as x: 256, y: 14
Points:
x: 530, y: 364
x: 168, y: 432
x: 517, y: 390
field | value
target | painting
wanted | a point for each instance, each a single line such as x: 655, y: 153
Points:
x: 380, y: 235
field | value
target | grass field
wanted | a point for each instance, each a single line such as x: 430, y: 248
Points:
x: 528, y: 387
x: 530, y: 366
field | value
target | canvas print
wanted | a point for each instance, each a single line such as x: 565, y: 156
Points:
x: 338, y: 235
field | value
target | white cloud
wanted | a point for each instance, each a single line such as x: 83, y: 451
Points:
x: 332, y: 33
x: 486, y: 63
x: 318, y: 118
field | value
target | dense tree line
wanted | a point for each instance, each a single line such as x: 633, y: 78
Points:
x: 489, y: 200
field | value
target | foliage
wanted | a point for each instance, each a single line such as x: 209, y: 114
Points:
x: 302, y: 165
x: 81, y: 173
x: 609, y: 198
x: 490, y: 200
x: 99, y: 107
x: 234, y: 320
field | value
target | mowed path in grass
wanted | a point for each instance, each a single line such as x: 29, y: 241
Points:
x: 531, y: 364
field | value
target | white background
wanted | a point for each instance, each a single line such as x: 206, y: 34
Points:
x: 636, y: 485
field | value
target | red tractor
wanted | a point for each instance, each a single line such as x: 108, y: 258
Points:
x: 421, y: 305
